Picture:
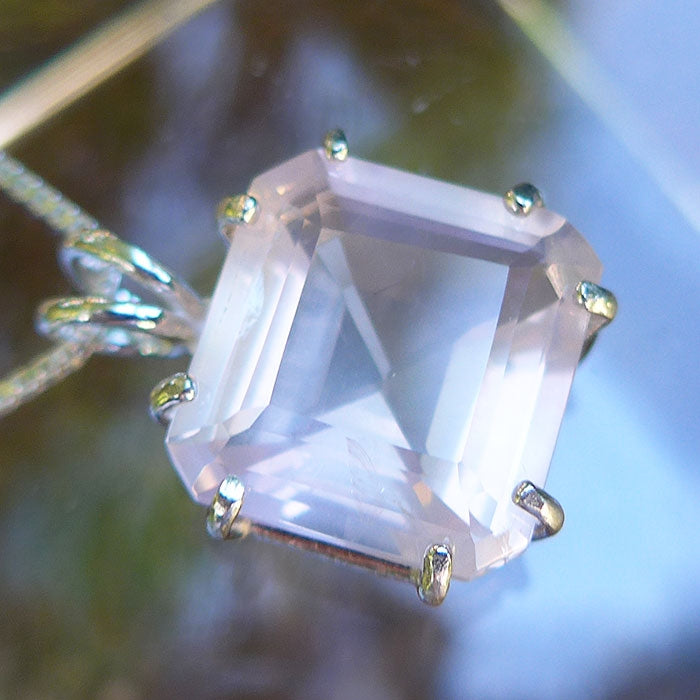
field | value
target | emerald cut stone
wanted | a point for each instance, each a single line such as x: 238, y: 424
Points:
x: 385, y: 358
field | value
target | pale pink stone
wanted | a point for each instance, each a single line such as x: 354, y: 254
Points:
x: 385, y: 358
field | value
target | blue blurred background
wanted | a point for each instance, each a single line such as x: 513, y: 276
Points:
x: 109, y: 586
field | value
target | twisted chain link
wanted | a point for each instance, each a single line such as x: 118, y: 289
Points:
x: 46, y: 202
x: 65, y: 218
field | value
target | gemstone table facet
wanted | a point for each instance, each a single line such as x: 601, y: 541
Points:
x: 385, y: 357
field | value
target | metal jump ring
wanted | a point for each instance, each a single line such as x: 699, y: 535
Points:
x: 123, y: 327
x: 96, y: 260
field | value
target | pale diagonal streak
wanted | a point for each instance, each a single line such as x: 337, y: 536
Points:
x: 91, y: 61
x: 550, y: 34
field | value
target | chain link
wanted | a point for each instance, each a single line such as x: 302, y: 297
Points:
x: 42, y: 200
x: 65, y: 218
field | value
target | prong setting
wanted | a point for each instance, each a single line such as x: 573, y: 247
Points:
x: 172, y: 391
x: 287, y: 499
x: 232, y: 211
x: 335, y: 144
x: 538, y: 503
x: 222, y: 523
x: 434, y: 579
x: 522, y: 199
x: 601, y: 304
x: 597, y: 300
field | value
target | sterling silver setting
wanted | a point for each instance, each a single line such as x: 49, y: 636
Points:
x: 223, y: 512
x: 598, y: 301
x: 335, y: 144
x: 239, y: 209
x: 225, y: 516
x: 434, y: 581
x: 522, y: 199
x: 538, y: 503
x: 601, y: 304
x: 170, y: 392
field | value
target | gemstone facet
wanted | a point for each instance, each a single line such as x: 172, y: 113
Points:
x: 385, y: 358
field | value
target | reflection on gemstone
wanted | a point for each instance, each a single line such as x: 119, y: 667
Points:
x: 379, y: 380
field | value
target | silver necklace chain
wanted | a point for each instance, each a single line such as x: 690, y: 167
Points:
x: 65, y: 218
x: 46, y: 202
x: 92, y: 60
x: 108, y: 318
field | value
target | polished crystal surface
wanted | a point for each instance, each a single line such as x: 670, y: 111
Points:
x: 384, y: 359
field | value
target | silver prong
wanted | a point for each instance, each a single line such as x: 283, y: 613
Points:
x: 335, y: 145
x: 601, y: 304
x: 232, y: 211
x: 522, y: 199
x: 224, y: 509
x: 538, y: 503
x: 176, y: 389
x: 434, y: 580
x: 597, y: 300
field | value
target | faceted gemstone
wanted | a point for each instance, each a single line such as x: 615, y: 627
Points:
x: 385, y: 358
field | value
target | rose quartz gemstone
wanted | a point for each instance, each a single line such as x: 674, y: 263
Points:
x: 385, y: 357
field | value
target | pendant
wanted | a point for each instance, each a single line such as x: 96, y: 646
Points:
x: 382, y: 370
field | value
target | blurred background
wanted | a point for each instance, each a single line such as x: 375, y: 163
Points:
x: 109, y: 586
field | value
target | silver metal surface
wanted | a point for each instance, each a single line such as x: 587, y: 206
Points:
x: 46, y: 202
x: 116, y: 327
x: 335, y: 144
x: 434, y: 581
x: 65, y: 217
x: 222, y: 514
x: 97, y: 260
x: 601, y: 304
x: 118, y: 322
x: 31, y: 102
x: 41, y: 373
x: 597, y: 300
x: 538, y: 503
x: 522, y: 199
x: 232, y: 211
x: 170, y: 392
